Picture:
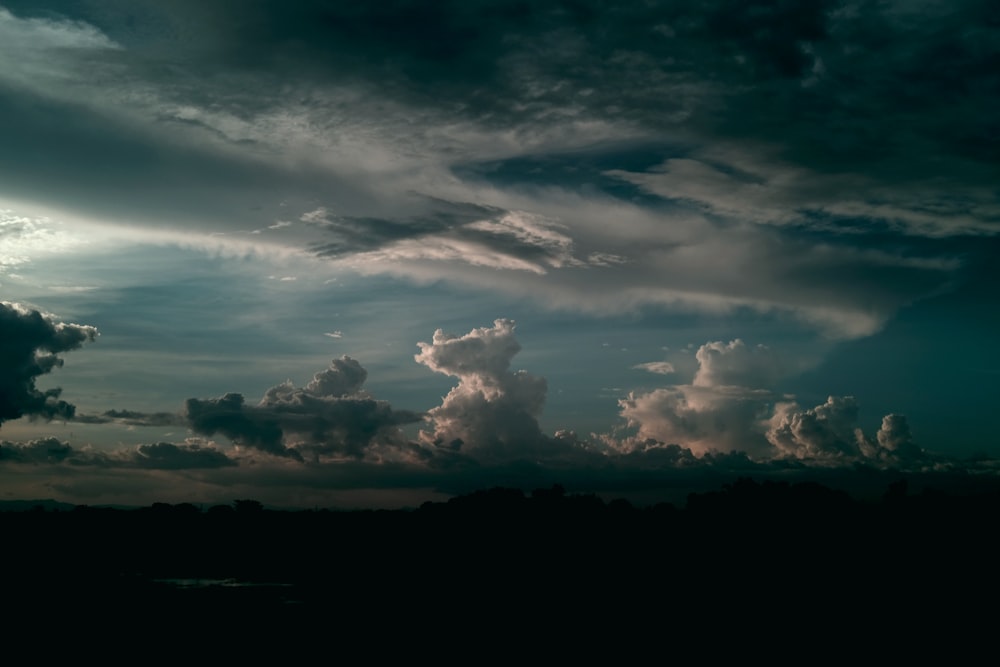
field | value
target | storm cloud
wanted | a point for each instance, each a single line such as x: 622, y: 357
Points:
x: 156, y: 456
x: 330, y: 416
x: 30, y: 344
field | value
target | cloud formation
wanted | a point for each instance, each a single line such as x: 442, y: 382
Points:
x: 766, y: 170
x: 830, y: 432
x: 731, y: 406
x: 492, y: 412
x: 330, y: 416
x: 30, y: 344
x: 826, y: 431
x: 658, y: 367
x: 734, y: 363
x: 157, y: 456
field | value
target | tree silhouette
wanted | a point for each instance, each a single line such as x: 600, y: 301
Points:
x: 247, y: 506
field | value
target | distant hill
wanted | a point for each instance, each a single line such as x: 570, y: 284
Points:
x: 48, y: 505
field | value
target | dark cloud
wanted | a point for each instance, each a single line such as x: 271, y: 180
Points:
x: 330, y: 416
x: 46, y: 450
x: 29, y: 343
x: 850, y: 117
x: 230, y: 416
x: 361, y: 234
x: 168, y: 456
x: 132, y: 418
x: 825, y: 86
x: 158, y: 456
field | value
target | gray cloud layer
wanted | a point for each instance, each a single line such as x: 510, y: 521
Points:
x: 716, y: 156
x: 158, y: 456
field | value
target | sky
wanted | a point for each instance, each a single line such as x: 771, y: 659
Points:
x: 370, y: 254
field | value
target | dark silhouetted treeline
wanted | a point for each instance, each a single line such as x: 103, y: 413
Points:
x: 773, y: 555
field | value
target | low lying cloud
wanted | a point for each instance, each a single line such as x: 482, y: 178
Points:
x: 830, y: 432
x: 132, y: 418
x: 157, y: 456
x: 730, y: 409
x: 331, y: 434
x: 31, y: 343
x: 330, y: 416
x: 731, y: 406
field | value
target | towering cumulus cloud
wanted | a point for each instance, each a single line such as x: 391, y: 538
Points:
x: 719, y: 411
x: 29, y: 343
x: 830, y: 432
x: 825, y: 431
x: 492, y: 411
x: 735, y: 363
x: 731, y: 406
x: 330, y: 416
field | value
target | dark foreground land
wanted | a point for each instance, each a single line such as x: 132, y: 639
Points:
x: 750, y: 566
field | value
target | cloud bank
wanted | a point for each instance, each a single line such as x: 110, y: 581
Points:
x: 331, y: 437
x: 156, y: 456
x: 731, y: 406
x: 330, y: 416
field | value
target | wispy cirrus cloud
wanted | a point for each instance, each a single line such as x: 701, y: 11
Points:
x: 522, y: 181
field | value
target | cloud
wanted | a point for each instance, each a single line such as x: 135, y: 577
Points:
x: 894, y: 436
x: 492, y: 412
x: 744, y: 185
x: 31, y: 342
x: 830, y: 432
x: 168, y: 456
x: 731, y: 406
x: 132, y: 418
x: 720, y: 411
x: 689, y: 161
x: 158, y: 456
x: 733, y: 363
x: 658, y: 367
x: 330, y: 416
x: 495, y: 238
x: 702, y: 419
x: 22, y: 237
x: 826, y: 431
x: 46, y: 450
x: 673, y: 259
